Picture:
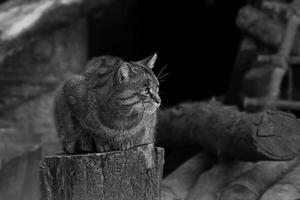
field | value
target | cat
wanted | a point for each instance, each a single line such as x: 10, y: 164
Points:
x: 111, y: 106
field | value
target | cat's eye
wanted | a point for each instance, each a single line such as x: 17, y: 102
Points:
x: 145, y: 91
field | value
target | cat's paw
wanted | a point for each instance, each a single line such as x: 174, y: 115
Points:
x: 126, y: 145
x: 69, y: 147
x: 101, y: 145
x: 103, y: 148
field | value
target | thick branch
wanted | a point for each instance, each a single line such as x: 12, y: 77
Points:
x: 224, y: 130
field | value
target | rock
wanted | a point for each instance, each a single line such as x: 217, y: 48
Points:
x: 22, y: 21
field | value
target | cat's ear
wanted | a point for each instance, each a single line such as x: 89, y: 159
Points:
x: 124, y: 71
x: 149, y: 61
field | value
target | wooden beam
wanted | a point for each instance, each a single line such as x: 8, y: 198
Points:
x: 280, y: 104
x: 223, y: 130
x: 133, y: 174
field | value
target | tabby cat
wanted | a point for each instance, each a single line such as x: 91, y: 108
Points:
x: 111, y: 106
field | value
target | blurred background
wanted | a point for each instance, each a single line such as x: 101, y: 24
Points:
x: 44, y: 41
x: 198, y: 42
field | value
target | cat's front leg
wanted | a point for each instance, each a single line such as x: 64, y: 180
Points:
x: 69, y: 147
x: 126, y: 144
x: 101, y: 145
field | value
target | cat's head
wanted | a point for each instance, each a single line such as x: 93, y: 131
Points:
x: 129, y: 87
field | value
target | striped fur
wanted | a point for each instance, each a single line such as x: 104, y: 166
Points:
x: 111, y: 106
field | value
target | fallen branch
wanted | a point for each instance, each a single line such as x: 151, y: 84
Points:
x: 269, y: 135
x: 280, y: 104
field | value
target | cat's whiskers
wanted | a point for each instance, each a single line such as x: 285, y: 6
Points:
x: 162, y: 76
x: 162, y: 80
x: 158, y: 76
x: 130, y: 111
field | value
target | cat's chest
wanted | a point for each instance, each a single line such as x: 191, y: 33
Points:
x: 145, y: 125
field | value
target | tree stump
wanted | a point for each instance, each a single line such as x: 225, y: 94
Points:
x: 133, y: 174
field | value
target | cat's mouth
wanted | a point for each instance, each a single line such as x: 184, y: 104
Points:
x: 151, y: 107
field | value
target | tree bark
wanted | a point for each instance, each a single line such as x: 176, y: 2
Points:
x: 134, y: 174
x: 223, y: 130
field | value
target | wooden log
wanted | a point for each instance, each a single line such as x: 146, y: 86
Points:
x: 177, y: 184
x: 264, y: 28
x: 287, y: 187
x: 210, y: 184
x: 252, y: 184
x: 133, y: 174
x: 268, y: 135
x: 231, y: 180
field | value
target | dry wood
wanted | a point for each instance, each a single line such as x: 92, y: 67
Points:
x: 224, y: 130
x: 286, y: 188
x: 180, y: 182
x: 211, y: 183
x: 254, y: 183
x: 134, y: 174
x: 231, y: 180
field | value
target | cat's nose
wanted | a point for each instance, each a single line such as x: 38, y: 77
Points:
x: 157, y: 99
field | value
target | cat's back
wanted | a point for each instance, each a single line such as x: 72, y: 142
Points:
x: 102, y: 65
